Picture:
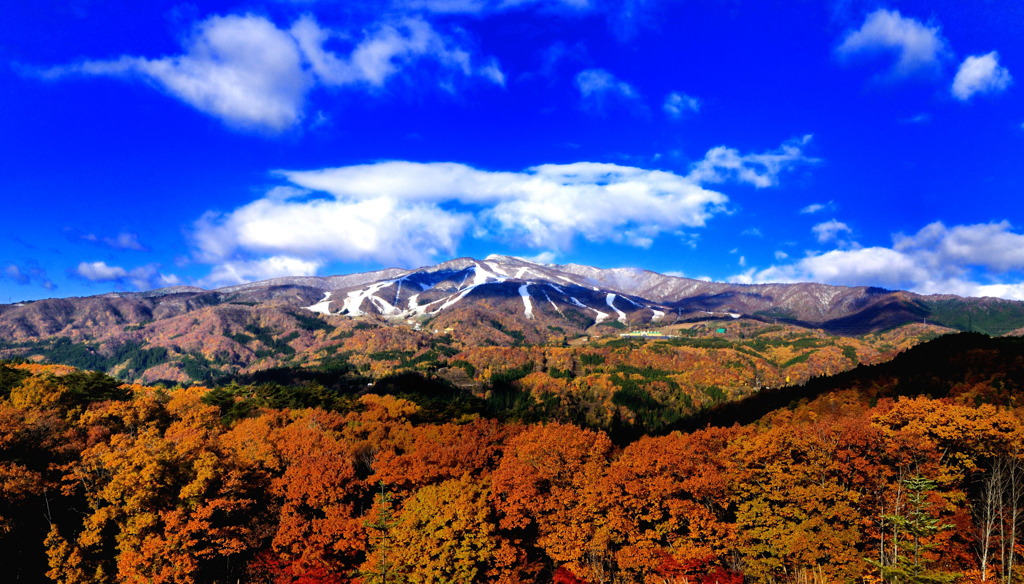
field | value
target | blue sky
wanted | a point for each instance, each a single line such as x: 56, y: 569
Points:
x: 850, y: 142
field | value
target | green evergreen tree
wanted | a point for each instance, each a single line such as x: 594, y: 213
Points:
x: 382, y: 540
x: 912, y: 530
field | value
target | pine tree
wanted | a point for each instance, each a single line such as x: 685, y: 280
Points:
x: 912, y: 530
x: 382, y: 571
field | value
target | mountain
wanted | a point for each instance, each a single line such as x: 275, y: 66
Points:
x: 184, y: 333
x: 585, y: 296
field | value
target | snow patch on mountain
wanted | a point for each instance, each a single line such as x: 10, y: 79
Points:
x: 527, y: 304
x: 322, y: 307
x: 610, y: 299
x: 384, y: 306
x: 452, y: 300
x: 482, y: 276
x: 496, y: 268
x: 599, y: 316
x: 552, y: 303
x: 398, y: 291
x: 354, y: 299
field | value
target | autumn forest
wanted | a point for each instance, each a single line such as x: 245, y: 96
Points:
x: 906, y: 471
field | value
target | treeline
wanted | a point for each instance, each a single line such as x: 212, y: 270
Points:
x: 269, y: 484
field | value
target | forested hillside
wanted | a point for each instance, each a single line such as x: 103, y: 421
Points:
x: 896, y: 472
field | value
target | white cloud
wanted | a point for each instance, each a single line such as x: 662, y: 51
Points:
x: 239, y: 272
x: 992, y: 245
x: 917, y: 47
x: 679, y: 104
x: 1007, y: 291
x: 405, y: 213
x: 599, y: 89
x: 386, y: 50
x: 249, y: 73
x: 830, y: 230
x: 382, y: 229
x: 971, y: 260
x: 124, y: 240
x: 869, y: 265
x: 980, y: 74
x: 545, y: 206
x: 721, y: 164
x: 408, y: 213
x: 817, y: 207
x: 544, y: 257
x: 241, y: 69
x: 100, y: 272
x: 141, y: 278
x: 492, y: 70
x: 165, y: 280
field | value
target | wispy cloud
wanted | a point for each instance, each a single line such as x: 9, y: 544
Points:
x: 830, y: 230
x: 559, y: 56
x: 248, y: 72
x: 122, y: 241
x: 141, y: 278
x: 677, y: 105
x: 762, y: 170
x: 28, y: 275
x: 817, y: 208
x: 980, y: 74
x: 600, y: 90
x: 922, y: 118
x: 916, y: 47
x: 387, y: 49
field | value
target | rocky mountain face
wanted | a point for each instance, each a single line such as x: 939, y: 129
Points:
x: 585, y: 296
x: 174, y: 332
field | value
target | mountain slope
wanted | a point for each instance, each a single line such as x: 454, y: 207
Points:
x: 633, y: 296
x: 184, y: 333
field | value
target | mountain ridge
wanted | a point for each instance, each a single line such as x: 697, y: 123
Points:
x: 182, y: 333
x: 855, y: 309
